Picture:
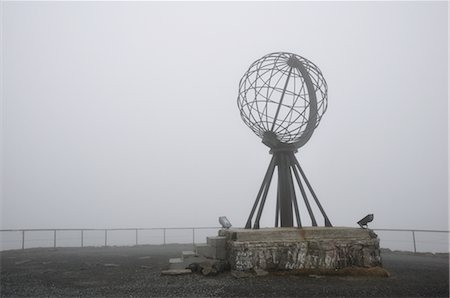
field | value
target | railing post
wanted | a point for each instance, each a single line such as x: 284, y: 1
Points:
x: 414, y: 241
x: 23, y: 239
x: 106, y: 237
x: 54, y: 238
x: 136, y: 236
x: 164, y: 236
x: 82, y: 238
x: 193, y: 236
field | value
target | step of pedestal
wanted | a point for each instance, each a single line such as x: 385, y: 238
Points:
x: 187, y: 253
x: 175, y: 260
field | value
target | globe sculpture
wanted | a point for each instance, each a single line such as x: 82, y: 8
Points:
x: 282, y: 98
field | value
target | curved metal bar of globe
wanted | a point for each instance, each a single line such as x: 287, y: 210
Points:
x: 266, y: 190
x: 327, y: 221
x: 302, y: 190
x: 270, y: 169
x: 311, y: 125
x: 281, y: 99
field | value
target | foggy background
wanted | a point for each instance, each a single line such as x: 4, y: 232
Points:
x: 124, y: 114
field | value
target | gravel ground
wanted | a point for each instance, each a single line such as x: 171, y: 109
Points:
x: 136, y: 271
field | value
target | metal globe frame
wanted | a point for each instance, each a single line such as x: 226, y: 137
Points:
x: 282, y: 98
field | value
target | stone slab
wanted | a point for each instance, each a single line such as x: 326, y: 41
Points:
x: 294, y: 234
x: 187, y: 253
x: 176, y: 271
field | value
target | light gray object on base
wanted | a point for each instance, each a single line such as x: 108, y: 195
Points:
x: 223, y: 220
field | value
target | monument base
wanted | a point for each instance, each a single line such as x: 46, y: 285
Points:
x: 301, y: 248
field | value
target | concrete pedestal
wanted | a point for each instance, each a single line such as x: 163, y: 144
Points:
x: 306, y: 248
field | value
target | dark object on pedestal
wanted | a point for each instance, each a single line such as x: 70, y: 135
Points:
x: 363, y: 222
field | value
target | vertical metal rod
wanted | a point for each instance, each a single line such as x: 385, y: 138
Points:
x: 287, y: 219
x: 106, y: 237
x: 23, y: 239
x: 263, y: 199
x: 136, y: 236
x: 277, y: 207
x: 164, y: 236
x: 414, y: 241
x: 82, y: 236
x: 54, y: 238
x: 294, y: 197
x: 305, y: 198
x: 193, y: 236
x: 281, y: 99
x: 327, y: 221
x: 248, y: 225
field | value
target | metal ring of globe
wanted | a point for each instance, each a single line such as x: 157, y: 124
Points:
x: 282, y: 98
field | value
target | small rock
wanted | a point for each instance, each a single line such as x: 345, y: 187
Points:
x: 260, y: 272
x: 110, y: 265
x: 207, y: 268
x: 209, y: 271
x: 194, y: 267
x: 315, y: 276
x: 176, y: 271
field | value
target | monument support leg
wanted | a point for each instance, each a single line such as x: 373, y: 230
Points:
x: 327, y: 221
x: 264, y: 196
x: 248, y: 225
x: 294, y: 196
x: 305, y: 198
x: 277, y: 207
x: 286, y: 164
x: 285, y: 193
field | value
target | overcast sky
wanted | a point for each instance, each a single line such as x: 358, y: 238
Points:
x: 125, y: 115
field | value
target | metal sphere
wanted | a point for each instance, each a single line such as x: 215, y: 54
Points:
x: 285, y: 95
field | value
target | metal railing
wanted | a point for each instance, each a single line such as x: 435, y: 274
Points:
x: 25, y: 232
x: 82, y: 231
x: 413, y: 234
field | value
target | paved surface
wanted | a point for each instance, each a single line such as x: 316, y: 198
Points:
x: 136, y: 272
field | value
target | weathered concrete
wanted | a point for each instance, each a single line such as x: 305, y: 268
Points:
x: 215, y: 248
x: 306, y: 248
x: 217, y: 241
